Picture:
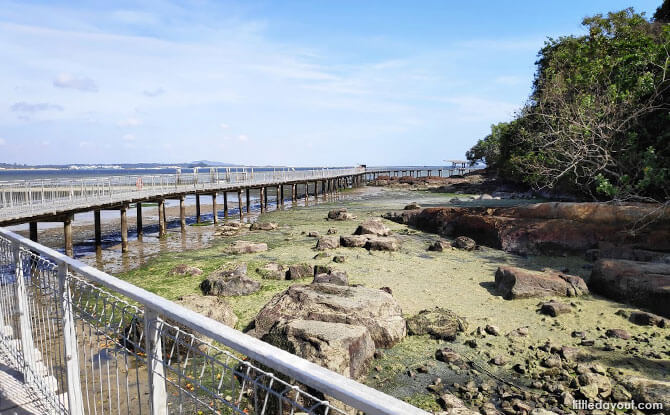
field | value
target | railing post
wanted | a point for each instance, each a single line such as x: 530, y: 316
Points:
x: 74, y: 396
x: 152, y: 341
x: 23, y: 311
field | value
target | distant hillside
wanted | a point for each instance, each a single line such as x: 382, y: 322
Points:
x: 212, y: 163
x: 201, y: 163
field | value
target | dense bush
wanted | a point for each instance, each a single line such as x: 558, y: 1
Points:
x: 597, y: 122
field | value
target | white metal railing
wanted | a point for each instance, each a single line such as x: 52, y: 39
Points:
x: 421, y: 171
x: 22, y: 198
x: 89, y: 343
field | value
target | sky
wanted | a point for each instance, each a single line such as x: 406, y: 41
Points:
x: 298, y: 83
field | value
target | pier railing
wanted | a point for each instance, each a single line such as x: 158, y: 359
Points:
x: 33, y: 197
x: 88, y: 343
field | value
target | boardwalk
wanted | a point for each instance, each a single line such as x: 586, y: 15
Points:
x: 57, y: 200
x: 25, y: 200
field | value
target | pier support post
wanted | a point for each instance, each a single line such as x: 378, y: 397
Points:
x: 215, y: 217
x: 197, y: 208
x: 306, y: 192
x: 294, y: 192
x: 140, y: 231
x: 161, y: 218
x: 262, y: 197
x: 281, y: 194
x: 67, y: 233
x: 182, y: 212
x: 279, y: 201
x: 265, y: 197
x: 33, y: 231
x: 239, y: 202
x: 248, y: 200
x: 225, y: 204
x: 124, y: 228
x: 97, y: 228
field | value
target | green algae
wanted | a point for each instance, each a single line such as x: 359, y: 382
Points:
x: 458, y: 280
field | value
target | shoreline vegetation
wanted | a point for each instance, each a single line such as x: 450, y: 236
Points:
x: 596, y: 125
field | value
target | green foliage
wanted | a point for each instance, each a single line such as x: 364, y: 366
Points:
x: 662, y: 14
x: 597, y: 121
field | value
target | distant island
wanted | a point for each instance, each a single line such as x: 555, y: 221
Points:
x: 116, y: 166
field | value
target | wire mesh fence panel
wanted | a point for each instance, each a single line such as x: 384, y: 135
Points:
x: 47, y: 356
x: 111, y: 354
x: 88, y: 343
x: 201, y: 377
x: 9, y: 324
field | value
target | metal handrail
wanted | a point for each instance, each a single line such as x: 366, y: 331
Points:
x: 346, y: 390
x: 42, y: 196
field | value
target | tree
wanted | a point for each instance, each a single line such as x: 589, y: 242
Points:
x: 597, y: 121
x: 662, y: 14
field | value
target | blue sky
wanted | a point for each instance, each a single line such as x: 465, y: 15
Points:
x: 291, y: 82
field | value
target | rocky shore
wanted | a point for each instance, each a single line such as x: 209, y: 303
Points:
x: 457, y: 309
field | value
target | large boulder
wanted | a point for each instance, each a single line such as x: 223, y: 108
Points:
x: 648, y: 390
x: 642, y: 318
x: 343, y: 348
x: 372, y: 227
x: 439, y: 246
x: 513, y: 282
x: 644, y: 284
x: 381, y: 243
x: 361, y: 306
x: 548, y: 228
x: 340, y: 214
x: 229, y: 282
x: 299, y: 271
x: 272, y: 271
x: 246, y: 247
x: 464, y: 243
x: 327, y: 242
x: 332, y: 277
x: 263, y: 226
x: 439, y: 322
x: 353, y: 241
x: 555, y: 308
x: 215, y: 308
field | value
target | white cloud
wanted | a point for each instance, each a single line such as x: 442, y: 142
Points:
x: 225, y: 66
x: 152, y: 93
x: 81, y: 83
x: 129, y: 122
x: 32, y: 108
x: 3, y: 141
x: 129, y: 137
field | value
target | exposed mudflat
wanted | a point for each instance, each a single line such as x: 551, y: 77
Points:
x: 461, y: 281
